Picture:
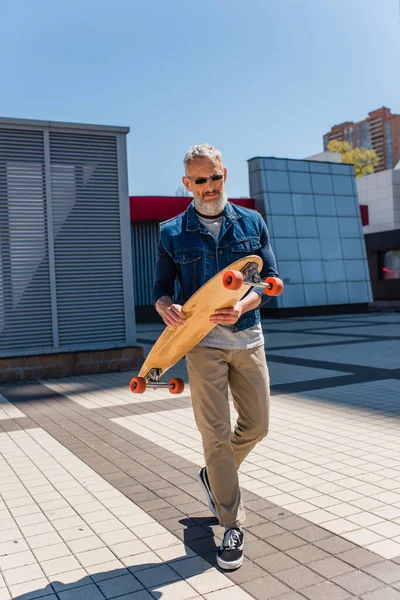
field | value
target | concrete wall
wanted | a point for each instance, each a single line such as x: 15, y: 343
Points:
x: 381, y: 193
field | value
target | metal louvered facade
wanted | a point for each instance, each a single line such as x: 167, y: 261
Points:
x: 65, y: 248
x: 144, y: 248
x: 145, y: 236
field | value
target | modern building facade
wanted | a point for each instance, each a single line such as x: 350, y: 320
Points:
x: 379, y: 131
x: 313, y: 215
x: 380, y: 193
x: 65, y: 255
x: 379, y: 197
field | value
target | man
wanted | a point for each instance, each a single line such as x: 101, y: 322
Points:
x: 193, y: 247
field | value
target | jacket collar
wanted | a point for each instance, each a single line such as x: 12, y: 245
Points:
x: 193, y: 224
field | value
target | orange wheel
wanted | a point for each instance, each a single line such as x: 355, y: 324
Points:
x: 276, y: 288
x: 176, y: 386
x: 232, y: 280
x: 138, y: 385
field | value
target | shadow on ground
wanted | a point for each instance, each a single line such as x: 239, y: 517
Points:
x: 131, y: 579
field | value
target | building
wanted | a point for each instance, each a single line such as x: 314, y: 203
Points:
x: 66, y: 290
x: 379, y: 131
x: 312, y: 212
x: 379, y: 197
x: 313, y: 215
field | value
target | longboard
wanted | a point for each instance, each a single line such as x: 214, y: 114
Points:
x: 224, y: 290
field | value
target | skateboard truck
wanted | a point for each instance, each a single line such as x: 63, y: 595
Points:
x: 249, y: 275
x: 138, y: 385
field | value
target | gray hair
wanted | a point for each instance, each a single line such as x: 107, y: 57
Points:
x: 201, y: 151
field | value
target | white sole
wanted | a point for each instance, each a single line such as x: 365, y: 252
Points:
x: 210, y: 505
x: 229, y: 566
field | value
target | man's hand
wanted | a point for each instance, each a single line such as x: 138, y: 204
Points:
x: 227, y: 316
x: 171, y: 314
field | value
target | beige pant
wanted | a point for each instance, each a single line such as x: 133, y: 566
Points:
x: 210, y: 371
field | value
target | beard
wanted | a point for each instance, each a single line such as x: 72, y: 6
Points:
x: 211, y: 207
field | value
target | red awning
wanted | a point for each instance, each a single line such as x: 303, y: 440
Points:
x: 161, y: 208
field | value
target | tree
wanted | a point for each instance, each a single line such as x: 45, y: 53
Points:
x: 364, y: 160
x: 182, y: 191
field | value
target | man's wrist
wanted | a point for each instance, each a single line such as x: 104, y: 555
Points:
x: 162, y: 304
x: 250, y: 302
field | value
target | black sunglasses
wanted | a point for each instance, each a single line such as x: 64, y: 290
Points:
x: 203, y: 180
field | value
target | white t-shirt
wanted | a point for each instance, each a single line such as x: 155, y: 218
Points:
x: 222, y: 336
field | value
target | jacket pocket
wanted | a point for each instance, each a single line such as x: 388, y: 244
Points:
x: 245, y: 247
x: 184, y: 257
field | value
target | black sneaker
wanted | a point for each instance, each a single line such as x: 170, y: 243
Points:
x: 230, y: 552
x: 202, y: 478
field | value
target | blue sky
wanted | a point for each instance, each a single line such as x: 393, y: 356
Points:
x: 253, y: 77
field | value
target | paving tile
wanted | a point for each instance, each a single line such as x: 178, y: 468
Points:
x: 286, y: 541
x: 385, y: 571
x: 125, y: 549
x: 335, y: 545
x: 173, y: 553
x: 273, y: 563
x: 91, y: 542
x: 307, y: 554
x: 299, y: 577
x: 247, y: 572
x: 385, y: 593
x: 22, y: 574
x: 292, y: 523
x: 117, y: 586
x: 358, y: 557
x: 191, y: 566
x: 330, y: 567
x: 161, y: 541
x: 313, y: 533
x: 386, y: 548
x: 177, y: 590
x: 18, y: 559
x: 357, y: 583
x: 24, y: 592
x: 326, y: 591
x: 87, y: 592
x: 156, y: 576
x: 210, y: 581
x: 51, y: 552
x: 108, y: 570
x: 71, y: 580
x: 263, y: 588
x: 290, y: 596
x: 141, y: 595
x: 94, y: 557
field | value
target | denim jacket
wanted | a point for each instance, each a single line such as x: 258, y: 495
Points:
x: 187, y: 251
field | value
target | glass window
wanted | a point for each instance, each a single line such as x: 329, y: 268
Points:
x: 390, y: 264
x: 300, y: 183
x: 303, y: 204
x: 319, y: 167
x: 283, y: 226
x: 278, y: 181
x: 280, y: 204
x: 322, y: 184
x: 274, y: 164
x: 342, y: 185
x: 298, y: 165
x: 306, y: 227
